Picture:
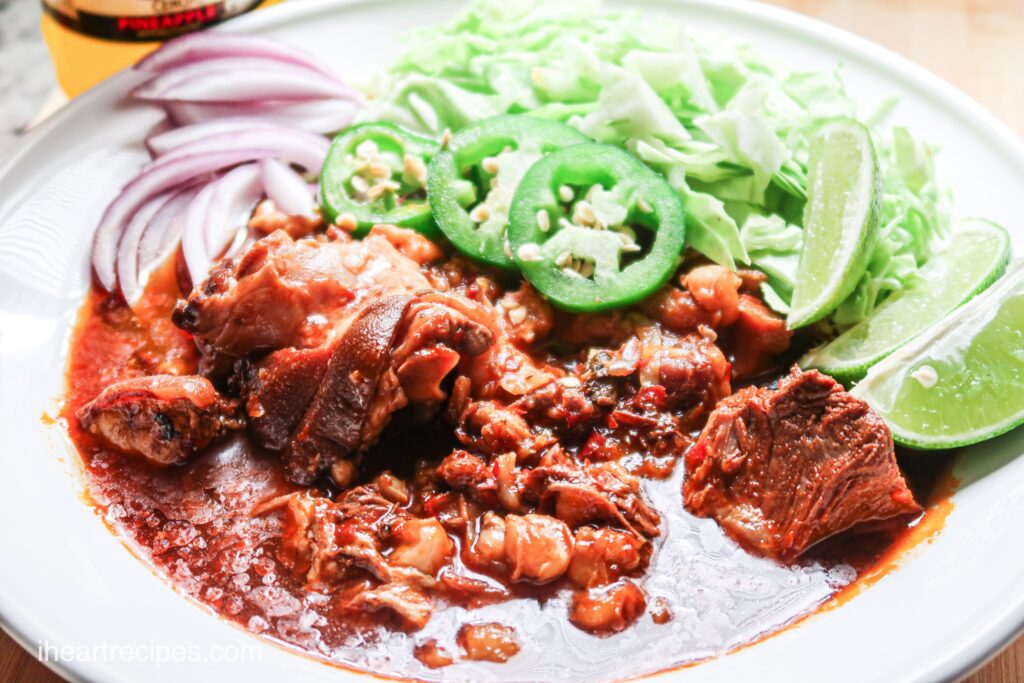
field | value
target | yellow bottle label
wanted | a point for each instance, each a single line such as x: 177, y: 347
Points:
x: 93, y: 39
x: 142, y: 20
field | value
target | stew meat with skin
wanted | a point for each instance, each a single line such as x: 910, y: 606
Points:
x: 310, y: 344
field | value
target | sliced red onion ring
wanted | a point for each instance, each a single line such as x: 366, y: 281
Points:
x: 154, y: 179
x: 193, y: 236
x: 164, y: 142
x: 128, y: 247
x: 164, y: 230
x: 287, y: 189
x: 202, y: 45
x: 315, y: 116
x: 216, y: 215
x: 234, y: 79
x: 289, y: 144
x: 232, y: 205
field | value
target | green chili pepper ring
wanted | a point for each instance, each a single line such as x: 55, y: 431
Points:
x: 652, y: 206
x: 396, y: 208
x: 450, y: 192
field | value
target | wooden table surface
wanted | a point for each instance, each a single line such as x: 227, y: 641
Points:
x: 977, y: 45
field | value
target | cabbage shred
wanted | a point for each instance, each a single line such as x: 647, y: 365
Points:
x: 728, y: 128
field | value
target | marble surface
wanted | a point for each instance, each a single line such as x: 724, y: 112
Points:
x: 26, y: 74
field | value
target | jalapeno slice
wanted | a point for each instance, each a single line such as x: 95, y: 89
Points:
x: 377, y: 173
x: 470, y: 184
x: 593, y: 228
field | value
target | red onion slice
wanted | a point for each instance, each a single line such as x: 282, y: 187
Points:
x: 193, y: 236
x: 232, y: 206
x: 215, y: 216
x: 154, y: 179
x: 203, y: 45
x: 234, y: 79
x: 287, y: 189
x: 315, y: 116
x: 128, y: 247
x: 164, y: 230
x: 289, y: 144
x: 164, y: 142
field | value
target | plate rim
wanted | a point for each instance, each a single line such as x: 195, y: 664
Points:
x: 955, y: 663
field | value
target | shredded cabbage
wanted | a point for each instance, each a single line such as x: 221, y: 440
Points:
x: 727, y: 127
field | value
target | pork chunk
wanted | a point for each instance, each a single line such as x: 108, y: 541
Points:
x: 607, y: 609
x: 398, y: 350
x: 489, y: 642
x: 781, y: 470
x: 593, y: 493
x: 601, y: 555
x: 355, y: 397
x: 293, y: 293
x: 162, y: 418
x: 278, y: 389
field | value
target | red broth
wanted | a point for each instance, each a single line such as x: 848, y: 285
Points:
x: 195, y: 525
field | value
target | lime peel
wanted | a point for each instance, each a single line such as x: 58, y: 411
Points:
x: 977, y: 357
x: 840, y: 220
x: 975, y: 256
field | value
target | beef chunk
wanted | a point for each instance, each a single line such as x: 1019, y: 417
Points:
x: 163, y: 418
x: 783, y: 469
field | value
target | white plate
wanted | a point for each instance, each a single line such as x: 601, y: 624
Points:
x: 66, y: 581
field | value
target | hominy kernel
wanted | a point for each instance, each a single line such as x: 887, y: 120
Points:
x: 707, y: 333
x: 517, y: 315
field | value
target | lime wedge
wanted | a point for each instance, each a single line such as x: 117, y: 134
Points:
x: 961, y: 381
x: 974, y: 258
x: 840, y: 220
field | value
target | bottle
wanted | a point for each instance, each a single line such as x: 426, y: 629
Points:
x: 90, y: 40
